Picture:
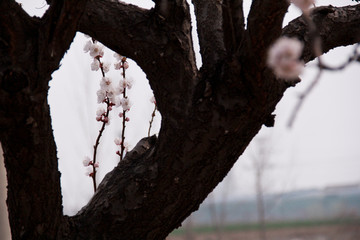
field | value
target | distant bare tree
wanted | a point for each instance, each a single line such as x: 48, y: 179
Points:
x: 260, y: 160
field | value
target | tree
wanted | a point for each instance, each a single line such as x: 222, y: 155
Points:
x: 209, y: 116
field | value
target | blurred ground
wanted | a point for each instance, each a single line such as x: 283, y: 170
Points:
x: 331, y: 232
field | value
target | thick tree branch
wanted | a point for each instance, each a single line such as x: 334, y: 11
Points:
x: 209, y: 17
x: 154, y: 42
x: 58, y: 28
x: 13, y: 44
x: 233, y: 24
x: 173, y: 11
x: 31, y: 49
x: 336, y: 26
x: 265, y: 25
x: 163, y: 186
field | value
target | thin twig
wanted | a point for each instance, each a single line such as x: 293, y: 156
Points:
x: 97, y: 142
x: 302, y: 98
x: 317, y: 51
x: 354, y: 57
x: 124, y: 116
x: 102, y: 129
x: 322, y: 66
x: 152, y: 119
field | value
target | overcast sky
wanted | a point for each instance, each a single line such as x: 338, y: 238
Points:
x: 321, y: 149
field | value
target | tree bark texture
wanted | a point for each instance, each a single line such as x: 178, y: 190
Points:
x: 209, y: 116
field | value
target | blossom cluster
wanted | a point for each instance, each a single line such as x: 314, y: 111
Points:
x: 124, y: 84
x: 109, y: 92
x: 90, y: 166
x: 112, y: 94
x: 284, y: 58
x: 118, y: 142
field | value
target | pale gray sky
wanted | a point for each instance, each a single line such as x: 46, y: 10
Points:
x: 322, y: 148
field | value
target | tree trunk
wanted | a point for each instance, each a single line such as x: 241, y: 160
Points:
x: 208, y: 116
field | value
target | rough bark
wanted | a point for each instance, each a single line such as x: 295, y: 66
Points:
x: 336, y: 27
x: 209, y: 116
x: 31, y: 50
x: 264, y: 25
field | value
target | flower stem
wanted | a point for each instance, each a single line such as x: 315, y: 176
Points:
x: 152, y: 119
x: 102, y: 129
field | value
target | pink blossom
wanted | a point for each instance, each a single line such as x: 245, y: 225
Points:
x: 96, y: 165
x: 304, y: 5
x: 152, y: 100
x: 284, y: 57
x: 121, y: 114
x: 126, y: 65
x: 127, y: 119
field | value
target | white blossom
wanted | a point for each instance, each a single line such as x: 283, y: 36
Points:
x: 117, y: 65
x: 96, y: 50
x: 86, y: 161
x: 119, y: 89
x: 116, y: 100
x: 106, y: 67
x: 89, y: 171
x: 125, y: 104
x: 95, y: 65
x: 100, y: 111
x: 101, y: 94
x: 126, y: 146
x: 118, y: 56
x: 152, y: 100
x: 304, y: 5
x: 87, y: 46
x: 111, y: 94
x: 284, y: 57
x: 126, y: 83
x: 106, y: 83
x: 117, y: 141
